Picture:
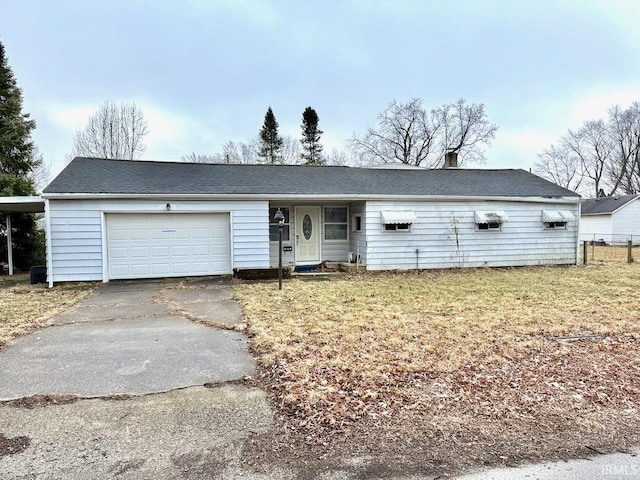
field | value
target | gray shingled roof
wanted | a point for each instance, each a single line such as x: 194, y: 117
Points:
x: 595, y: 206
x: 90, y: 175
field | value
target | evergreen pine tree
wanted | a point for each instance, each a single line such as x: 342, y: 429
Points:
x: 17, y: 161
x: 270, y: 140
x: 311, y: 147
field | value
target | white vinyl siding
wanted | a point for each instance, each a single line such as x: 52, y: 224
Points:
x: 625, y: 223
x: 615, y: 228
x: 595, y: 227
x: 76, y: 233
x: 432, y: 240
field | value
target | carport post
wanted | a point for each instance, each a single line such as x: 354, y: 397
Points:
x: 9, y: 244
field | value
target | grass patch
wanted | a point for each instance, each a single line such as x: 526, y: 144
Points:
x: 604, y: 254
x: 479, y: 344
x: 25, y: 308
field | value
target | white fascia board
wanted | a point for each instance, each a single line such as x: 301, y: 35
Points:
x: 306, y: 197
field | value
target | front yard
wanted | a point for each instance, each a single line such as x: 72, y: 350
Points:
x: 25, y: 308
x: 489, y: 365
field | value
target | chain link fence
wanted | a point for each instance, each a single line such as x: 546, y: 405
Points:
x: 609, y: 248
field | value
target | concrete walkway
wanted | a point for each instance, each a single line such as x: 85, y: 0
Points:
x: 132, y: 338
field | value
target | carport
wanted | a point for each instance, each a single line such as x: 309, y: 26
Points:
x: 9, y: 205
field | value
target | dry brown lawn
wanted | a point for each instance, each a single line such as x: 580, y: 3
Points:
x: 604, y: 254
x: 457, y: 358
x: 25, y: 308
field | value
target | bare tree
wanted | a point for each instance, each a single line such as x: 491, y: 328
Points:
x: 592, y: 145
x: 464, y: 129
x: 246, y: 152
x: 338, y: 158
x: 114, y: 131
x: 624, y: 130
x: 405, y: 133
x: 241, y: 152
x: 560, y: 166
x: 41, y: 172
x: 194, y: 157
x: 408, y: 133
x: 608, y: 151
x: 290, y: 150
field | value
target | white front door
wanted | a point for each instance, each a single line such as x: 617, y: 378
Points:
x: 307, y: 235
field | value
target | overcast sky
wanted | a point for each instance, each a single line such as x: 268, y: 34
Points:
x: 204, y: 72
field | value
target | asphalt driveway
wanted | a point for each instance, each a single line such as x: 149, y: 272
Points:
x: 132, y: 338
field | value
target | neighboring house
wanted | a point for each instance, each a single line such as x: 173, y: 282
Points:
x: 612, y: 220
x: 116, y: 219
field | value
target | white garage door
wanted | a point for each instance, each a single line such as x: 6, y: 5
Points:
x: 167, y: 244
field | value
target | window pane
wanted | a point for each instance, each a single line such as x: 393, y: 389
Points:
x: 272, y: 213
x: 335, y: 232
x: 273, y: 233
x: 335, y: 214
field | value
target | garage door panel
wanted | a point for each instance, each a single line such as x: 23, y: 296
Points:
x: 159, y: 252
x: 159, y: 234
x: 201, y: 267
x: 200, y: 250
x: 119, y: 271
x: 161, y: 269
x: 180, y: 251
x: 139, y: 251
x: 139, y: 234
x: 140, y: 269
x: 118, y: 252
x: 172, y: 244
x: 181, y: 268
x: 118, y: 234
x: 180, y: 234
x: 199, y: 233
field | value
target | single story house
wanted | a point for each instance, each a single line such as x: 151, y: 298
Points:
x: 118, y: 219
x: 611, y: 220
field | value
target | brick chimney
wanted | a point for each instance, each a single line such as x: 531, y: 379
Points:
x: 450, y: 160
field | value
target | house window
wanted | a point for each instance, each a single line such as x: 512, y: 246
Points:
x: 335, y: 223
x: 490, y: 220
x: 489, y: 226
x: 356, y: 223
x: 397, y: 227
x: 273, y: 226
x: 555, y: 225
x: 397, y: 221
x: 556, y: 219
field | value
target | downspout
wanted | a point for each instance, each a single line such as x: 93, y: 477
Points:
x: 47, y: 236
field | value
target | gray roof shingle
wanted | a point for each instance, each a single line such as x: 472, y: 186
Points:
x: 603, y: 205
x: 90, y: 175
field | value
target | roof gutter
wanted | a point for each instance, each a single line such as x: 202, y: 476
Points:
x: 303, y: 197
